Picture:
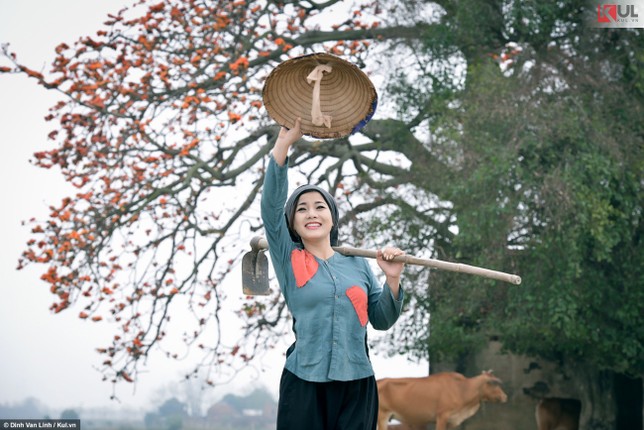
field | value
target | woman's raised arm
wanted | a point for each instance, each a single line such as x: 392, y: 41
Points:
x: 284, y: 141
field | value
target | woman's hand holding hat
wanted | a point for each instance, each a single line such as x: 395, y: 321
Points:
x: 290, y: 136
x: 285, y: 139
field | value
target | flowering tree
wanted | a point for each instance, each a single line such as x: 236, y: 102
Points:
x: 162, y: 131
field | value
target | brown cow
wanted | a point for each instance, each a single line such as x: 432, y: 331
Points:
x: 447, y: 399
x: 553, y: 413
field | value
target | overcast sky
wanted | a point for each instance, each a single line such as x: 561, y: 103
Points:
x: 52, y: 357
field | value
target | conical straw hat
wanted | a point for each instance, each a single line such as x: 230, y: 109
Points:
x: 347, y: 98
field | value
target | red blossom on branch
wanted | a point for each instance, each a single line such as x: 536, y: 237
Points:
x: 152, y: 130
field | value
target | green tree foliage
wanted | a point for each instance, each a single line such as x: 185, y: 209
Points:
x: 548, y: 125
x: 508, y: 136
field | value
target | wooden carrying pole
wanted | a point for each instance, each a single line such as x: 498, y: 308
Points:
x: 260, y: 243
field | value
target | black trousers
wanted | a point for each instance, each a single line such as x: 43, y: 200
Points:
x: 336, y: 405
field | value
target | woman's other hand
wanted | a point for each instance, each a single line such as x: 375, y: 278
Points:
x: 392, y: 269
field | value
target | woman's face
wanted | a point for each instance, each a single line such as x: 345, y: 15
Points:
x: 312, y: 220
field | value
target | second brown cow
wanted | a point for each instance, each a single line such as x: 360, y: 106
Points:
x: 554, y: 413
x: 446, y: 399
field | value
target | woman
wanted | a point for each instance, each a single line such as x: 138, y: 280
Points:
x: 328, y: 381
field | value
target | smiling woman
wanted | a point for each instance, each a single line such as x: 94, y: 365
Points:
x: 328, y: 379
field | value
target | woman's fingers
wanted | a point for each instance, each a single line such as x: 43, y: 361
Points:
x: 293, y: 134
x: 297, y: 125
x: 389, y: 253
